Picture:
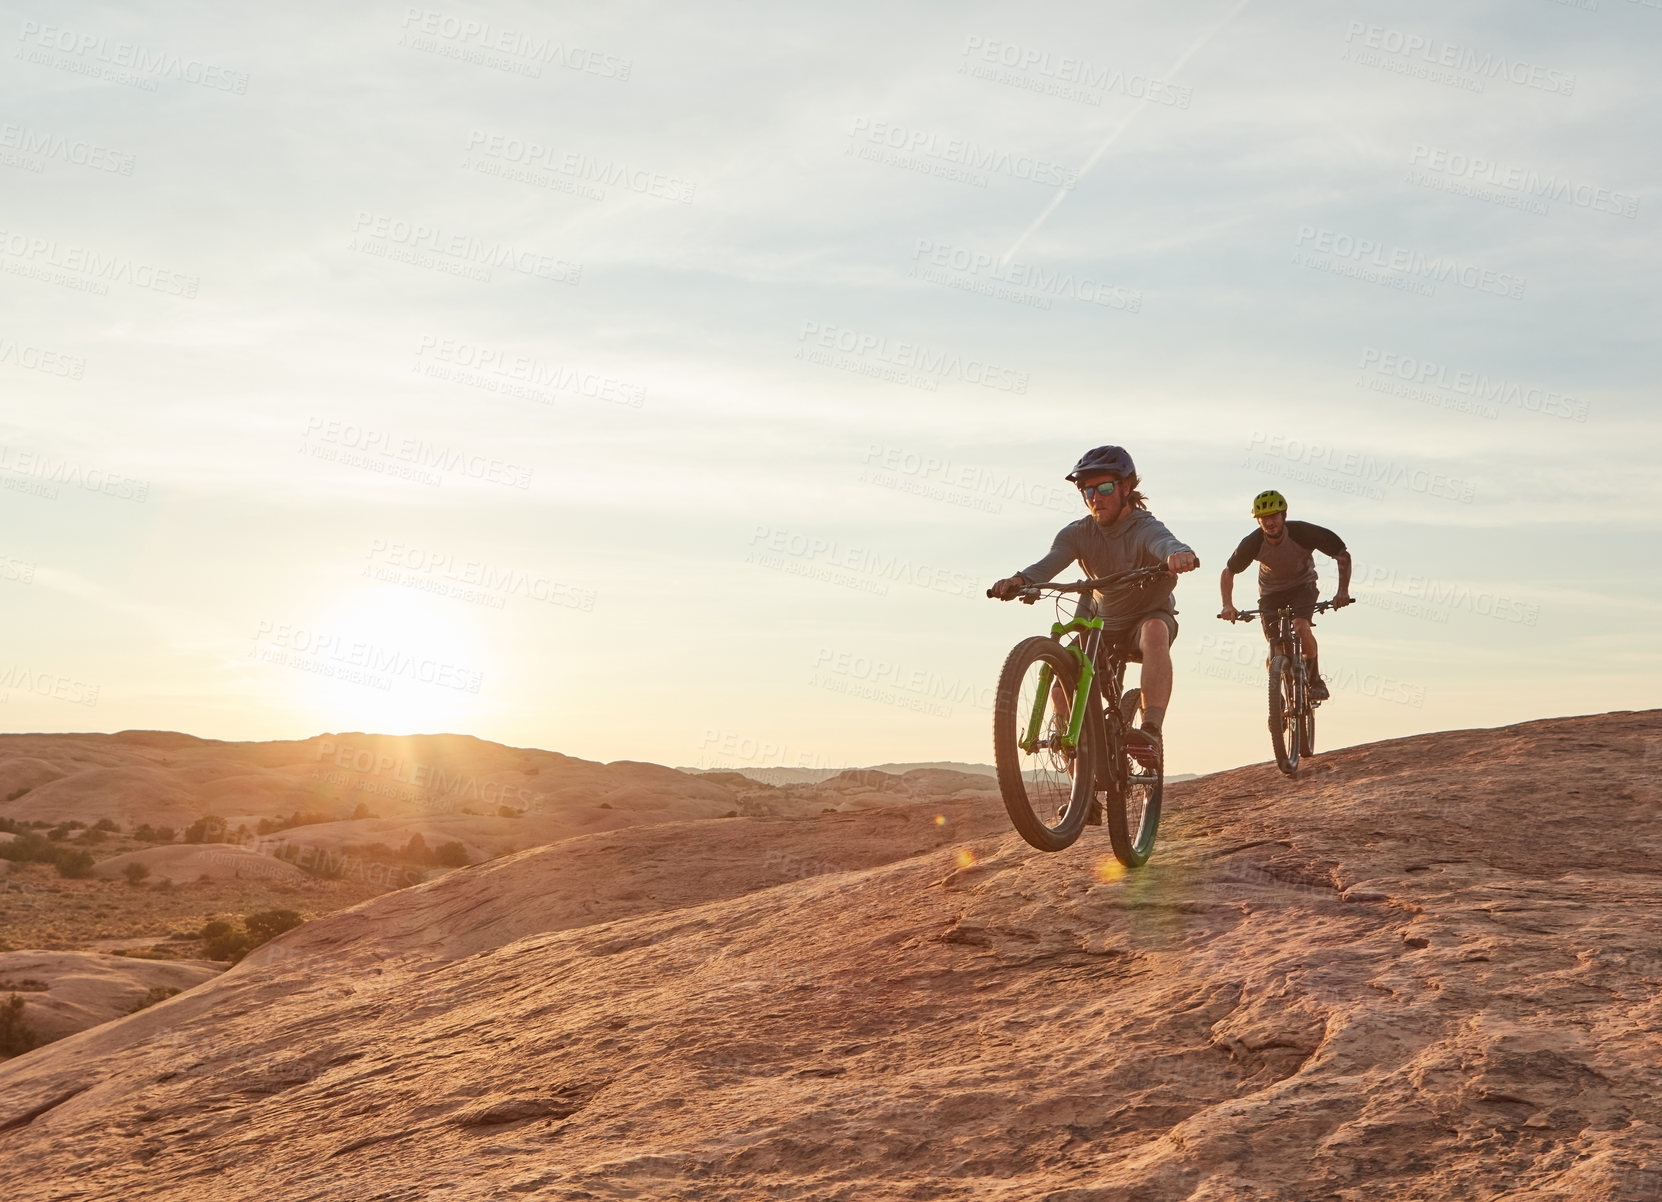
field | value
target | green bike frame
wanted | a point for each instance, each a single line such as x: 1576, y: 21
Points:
x: 1087, y: 673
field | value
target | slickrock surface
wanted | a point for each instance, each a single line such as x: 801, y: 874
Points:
x: 1423, y: 969
x: 65, y: 992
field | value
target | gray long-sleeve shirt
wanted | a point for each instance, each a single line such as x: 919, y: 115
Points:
x: 1138, y: 540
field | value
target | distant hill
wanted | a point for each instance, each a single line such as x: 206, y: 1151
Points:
x: 813, y: 776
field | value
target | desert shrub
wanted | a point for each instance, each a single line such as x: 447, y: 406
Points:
x: 329, y: 866
x: 222, y: 940
x: 16, y: 793
x: 165, y: 885
x: 74, y: 864
x: 135, y: 872
x: 605, y: 805
x: 16, y: 1035
x: 93, y: 835
x: 164, y: 834
x: 268, y: 924
x: 59, y: 833
x: 28, y: 847
x: 11, y: 826
x: 452, y: 855
x: 416, y: 849
x: 362, y: 811
x: 509, y: 812
x: 145, y: 833
x: 24, y: 985
x: 158, y: 994
x: 270, y: 826
x: 106, y: 824
x: 206, y: 829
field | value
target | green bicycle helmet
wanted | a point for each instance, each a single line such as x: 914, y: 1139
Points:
x: 1267, y: 502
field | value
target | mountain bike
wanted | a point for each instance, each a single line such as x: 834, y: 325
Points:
x: 1292, y: 710
x: 1059, y: 751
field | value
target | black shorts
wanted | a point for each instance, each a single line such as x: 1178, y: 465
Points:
x: 1302, y: 599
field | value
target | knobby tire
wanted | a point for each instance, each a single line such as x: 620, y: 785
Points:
x: 1283, y: 700
x: 1132, y: 799
x: 1046, y: 813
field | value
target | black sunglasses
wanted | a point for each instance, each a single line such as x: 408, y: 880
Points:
x: 1105, y: 489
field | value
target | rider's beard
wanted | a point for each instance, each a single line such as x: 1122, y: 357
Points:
x: 1108, y: 518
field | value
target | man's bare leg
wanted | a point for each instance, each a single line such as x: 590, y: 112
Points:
x: 1154, y: 641
x: 1312, y: 669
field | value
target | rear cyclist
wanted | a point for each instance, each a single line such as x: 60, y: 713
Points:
x: 1287, y: 574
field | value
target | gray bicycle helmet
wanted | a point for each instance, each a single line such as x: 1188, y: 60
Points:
x: 1104, y: 459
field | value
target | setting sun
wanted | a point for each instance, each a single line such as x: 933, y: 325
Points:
x: 385, y: 660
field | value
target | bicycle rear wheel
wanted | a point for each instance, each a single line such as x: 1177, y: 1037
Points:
x: 1134, y: 796
x: 1047, y: 786
x: 1307, y: 727
x: 1284, y: 706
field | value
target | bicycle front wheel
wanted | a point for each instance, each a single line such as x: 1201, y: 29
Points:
x: 1134, y: 796
x: 1307, y: 725
x: 1284, y: 721
x: 1047, y: 785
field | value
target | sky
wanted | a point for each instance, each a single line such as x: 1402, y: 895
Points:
x: 668, y: 383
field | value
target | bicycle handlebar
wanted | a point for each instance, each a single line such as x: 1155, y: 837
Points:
x: 1247, y: 615
x: 1032, y: 592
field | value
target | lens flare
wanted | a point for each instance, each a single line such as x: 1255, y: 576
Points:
x: 940, y: 819
x: 966, y: 858
x: 1109, y: 870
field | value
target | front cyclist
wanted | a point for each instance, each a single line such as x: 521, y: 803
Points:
x: 1119, y: 535
x: 1287, y: 574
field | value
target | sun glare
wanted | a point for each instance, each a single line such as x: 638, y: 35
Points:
x: 392, y: 663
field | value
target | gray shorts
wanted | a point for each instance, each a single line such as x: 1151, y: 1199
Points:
x: 1125, y: 637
